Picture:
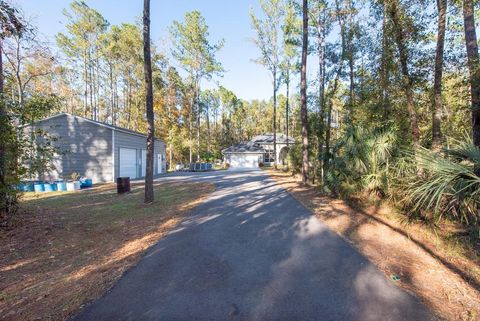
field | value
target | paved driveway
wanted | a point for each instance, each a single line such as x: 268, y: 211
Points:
x: 252, y: 252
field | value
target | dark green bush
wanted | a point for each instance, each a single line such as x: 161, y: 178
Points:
x: 361, y: 161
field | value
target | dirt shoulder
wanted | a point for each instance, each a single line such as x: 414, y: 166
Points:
x: 71, y: 247
x: 446, y: 279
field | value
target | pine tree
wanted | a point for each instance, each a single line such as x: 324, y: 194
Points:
x: 149, y: 196
x: 303, y: 93
x: 267, y: 40
x: 473, y: 66
x: 437, y: 86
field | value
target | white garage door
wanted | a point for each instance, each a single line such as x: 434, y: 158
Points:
x: 128, y: 162
x: 243, y: 161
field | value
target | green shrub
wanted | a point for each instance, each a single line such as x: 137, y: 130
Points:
x: 294, y: 158
x: 28, y: 153
x: 437, y: 184
x: 361, y: 161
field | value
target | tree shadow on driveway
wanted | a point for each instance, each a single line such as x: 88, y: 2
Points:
x: 252, y: 252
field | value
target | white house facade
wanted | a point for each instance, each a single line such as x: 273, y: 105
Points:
x: 258, y: 150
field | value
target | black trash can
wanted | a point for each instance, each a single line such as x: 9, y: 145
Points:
x: 123, y: 185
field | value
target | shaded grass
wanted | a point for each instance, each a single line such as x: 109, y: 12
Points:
x: 104, y: 205
x: 72, y: 246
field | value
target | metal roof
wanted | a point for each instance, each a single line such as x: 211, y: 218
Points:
x: 268, y: 139
x: 245, y: 147
x: 255, y: 145
x: 121, y: 129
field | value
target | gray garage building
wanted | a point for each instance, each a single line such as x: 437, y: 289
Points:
x: 98, y: 150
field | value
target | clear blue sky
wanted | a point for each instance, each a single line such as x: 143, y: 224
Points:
x: 227, y: 19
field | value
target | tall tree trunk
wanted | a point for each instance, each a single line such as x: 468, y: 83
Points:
x: 384, y: 71
x: 149, y: 103
x: 223, y: 129
x: 215, y: 122
x: 19, y: 87
x: 16, y: 65
x: 129, y: 103
x: 287, y: 104
x: 112, y: 94
x: 114, y: 99
x: 190, y: 135
x: 116, y: 113
x: 328, y: 134
x: 209, y: 143
x: 407, y: 80
x: 351, y: 62
x: 303, y: 94
x: 1, y: 76
x: 198, y: 136
x: 137, y: 104
x: 90, y: 86
x: 473, y: 66
x: 275, y: 116
x: 3, y: 147
x: 85, y: 77
x: 170, y: 125
x: 97, y: 86
x: 116, y: 102
x: 94, y: 89
x: 332, y: 93
x: 321, y: 94
x: 437, y: 86
x: 198, y: 111
x: 322, y: 75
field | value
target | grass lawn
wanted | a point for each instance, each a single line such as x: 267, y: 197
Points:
x: 70, y: 247
x: 444, y: 273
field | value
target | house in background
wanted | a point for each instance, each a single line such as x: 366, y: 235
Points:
x: 98, y: 150
x: 257, y: 150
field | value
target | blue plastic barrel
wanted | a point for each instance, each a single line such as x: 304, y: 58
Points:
x: 49, y: 187
x: 27, y: 187
x: 86, y: 182
x: 39, y: 187
x: 61, y: 186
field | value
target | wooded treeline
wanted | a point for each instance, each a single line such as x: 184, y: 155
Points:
x: 390, y: 97
x: 405, y: 77
x: 97, y: 72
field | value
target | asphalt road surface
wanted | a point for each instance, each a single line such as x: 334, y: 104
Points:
x: 252, y: 252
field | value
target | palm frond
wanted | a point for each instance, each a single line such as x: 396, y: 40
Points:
x: 443, y: 183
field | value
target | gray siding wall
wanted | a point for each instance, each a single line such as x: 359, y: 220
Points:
x: 87, y: 148
x: 127, y: 140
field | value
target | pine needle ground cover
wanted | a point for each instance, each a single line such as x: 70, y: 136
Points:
x: 433, y: 264
x: 69, y: 248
